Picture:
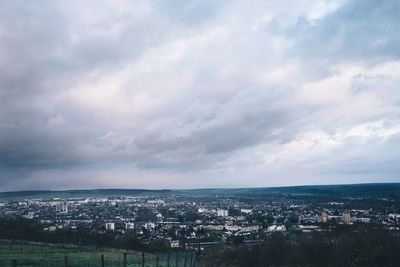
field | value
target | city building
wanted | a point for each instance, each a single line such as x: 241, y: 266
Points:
x: 246, y: 211
x: 110, y: 226
x: 276, y: 228
x: 346, y: 217
x: 324, y: 217
x: 129, y: 226
x: 222, y: 213
x: 149, y: 225
x: 62, y: 206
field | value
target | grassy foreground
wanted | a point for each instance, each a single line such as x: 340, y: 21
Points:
x: 44, y: 255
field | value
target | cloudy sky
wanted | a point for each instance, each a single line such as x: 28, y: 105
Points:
x: 198, y: 93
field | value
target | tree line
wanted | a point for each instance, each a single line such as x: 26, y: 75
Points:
x: 342, y: 248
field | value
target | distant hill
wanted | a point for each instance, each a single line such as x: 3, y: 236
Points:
x: 46, y: 194
x: 353, y: 190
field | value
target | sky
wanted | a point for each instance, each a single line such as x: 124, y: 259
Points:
x: 198, y: 93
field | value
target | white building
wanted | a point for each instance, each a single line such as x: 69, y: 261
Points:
x: 30, y: 215
x: 62, y: 206
x: 324, y: 217
x: 346, y: 217
x: 394, y: 216
x: 363, y: 220
x: 277, y: 228
x: 129, y: 226
x: 159, y: 217
x: 174, y: 243
x: 149, y: 225
x: 156, y: 202
x: 222, y: 213
x: 110, y: 226
x: 233, y: 227
x: 202, y: 210
x: 253, y: 228
x: 246, y: 211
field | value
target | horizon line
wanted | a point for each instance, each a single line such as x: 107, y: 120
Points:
x: 200, y: 188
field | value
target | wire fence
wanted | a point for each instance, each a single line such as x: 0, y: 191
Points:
x: 26, y: 255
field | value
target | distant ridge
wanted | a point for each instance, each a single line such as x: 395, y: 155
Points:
x: 77, y: 193
x: 377, y: 189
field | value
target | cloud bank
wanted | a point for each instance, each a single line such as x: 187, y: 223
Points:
x: 184, y: 94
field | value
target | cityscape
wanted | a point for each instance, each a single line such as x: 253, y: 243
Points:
x: 195, y: 219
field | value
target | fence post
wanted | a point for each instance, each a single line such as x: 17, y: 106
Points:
x: 124, y: 259
x: 199, y: 248
x: 65, y: 261
x: 142, y: 259
x: 191, y: 259
x: 168, y: 259
x: 157, y: 256
x: 102, y: 260
x: 177, y: 259
x: 14, y: 263
x: 185, y: 260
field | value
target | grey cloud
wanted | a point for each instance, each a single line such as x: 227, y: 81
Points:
x: 196, y: 89
x: 37, y: 144
x: 38, y: 63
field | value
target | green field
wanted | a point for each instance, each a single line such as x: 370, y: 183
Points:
x: 39, y: 255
